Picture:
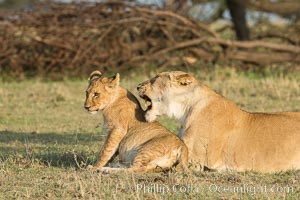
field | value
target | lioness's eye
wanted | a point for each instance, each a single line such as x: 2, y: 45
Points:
x: 153, y: 80
x: 96, y: 94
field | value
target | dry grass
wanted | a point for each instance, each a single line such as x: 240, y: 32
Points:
x: 47, y: 139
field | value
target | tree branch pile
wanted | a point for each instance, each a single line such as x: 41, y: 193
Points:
x: 74, y: 39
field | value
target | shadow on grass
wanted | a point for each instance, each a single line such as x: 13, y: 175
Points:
x: 77, y: 160
x: 49, y: 138
x: 49, y: 149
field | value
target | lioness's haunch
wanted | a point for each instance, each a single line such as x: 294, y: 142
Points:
x: 141, y: 146
x: 218, y: 134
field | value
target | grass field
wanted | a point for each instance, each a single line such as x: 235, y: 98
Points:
x: 47, y: 139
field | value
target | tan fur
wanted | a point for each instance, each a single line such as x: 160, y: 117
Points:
x: 141, y: 146
x: 220, y: 135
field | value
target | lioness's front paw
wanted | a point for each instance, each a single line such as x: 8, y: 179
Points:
x: 150, y: 117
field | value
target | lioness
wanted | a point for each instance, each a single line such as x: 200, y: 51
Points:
x: 218, y: 134
x: 141, y: 146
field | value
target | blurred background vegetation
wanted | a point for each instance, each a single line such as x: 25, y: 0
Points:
x: 62, y: 38
x: 248, y: 53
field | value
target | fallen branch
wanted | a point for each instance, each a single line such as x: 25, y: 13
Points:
x: 256, y: 44
x: 263, y: 58
x: 284, y: 8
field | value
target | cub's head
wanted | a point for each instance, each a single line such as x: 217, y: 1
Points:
x: 101, y: 91
x: 167, y: 93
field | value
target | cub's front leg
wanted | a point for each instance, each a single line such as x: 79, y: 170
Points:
x: 109, y: 148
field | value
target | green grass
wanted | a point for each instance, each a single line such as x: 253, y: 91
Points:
x: 47, y: 140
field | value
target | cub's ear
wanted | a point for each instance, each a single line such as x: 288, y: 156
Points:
x: 94, y: 75
x: 184, y: 79
x: 115, y: 81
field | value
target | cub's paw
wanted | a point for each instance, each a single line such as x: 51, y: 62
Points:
x: 93, y: 168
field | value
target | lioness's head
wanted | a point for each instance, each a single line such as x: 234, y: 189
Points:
x: 100, y: 91
x: 167, y: 93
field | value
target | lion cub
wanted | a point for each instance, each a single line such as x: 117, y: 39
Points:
x: 142, y: 146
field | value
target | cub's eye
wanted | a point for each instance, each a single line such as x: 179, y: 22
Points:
x: 96, y: 94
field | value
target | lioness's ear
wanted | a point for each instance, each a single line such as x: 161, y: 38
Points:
x: 184, y: 79
x: 95, y: 74
x: 115, y: 81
